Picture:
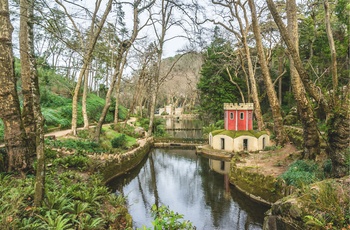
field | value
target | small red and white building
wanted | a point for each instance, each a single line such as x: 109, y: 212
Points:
x: 238, y: 134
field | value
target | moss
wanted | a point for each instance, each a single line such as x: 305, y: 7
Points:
x: 268, y: 188
x: 117, y: 167
x: 235, y: 134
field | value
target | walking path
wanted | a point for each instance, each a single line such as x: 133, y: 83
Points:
x: 62, y: 133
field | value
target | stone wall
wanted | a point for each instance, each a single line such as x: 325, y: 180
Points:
x: 117, y: 165
x: 262, y: 188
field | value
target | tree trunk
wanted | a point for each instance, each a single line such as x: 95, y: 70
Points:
x: 26, y: 65
x: 253, y: 87
x: 339, y: 139
x: 86, y: 62
x: 306, y: 114
x: 333, y: 51
x: 117, y: 90
x: 15, y: 136
x: 281, y: 135
x: 29, y: 72
x: 308, y: 84
x: 83, y: 100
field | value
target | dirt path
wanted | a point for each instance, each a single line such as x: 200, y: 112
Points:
x: 272, y: 163
x: 61, y: 133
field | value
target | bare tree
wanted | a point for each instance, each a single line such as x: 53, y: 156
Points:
x: 123, y: 49
x: 92, y: 39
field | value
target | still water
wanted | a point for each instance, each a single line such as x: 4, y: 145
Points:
x: 187, y: 184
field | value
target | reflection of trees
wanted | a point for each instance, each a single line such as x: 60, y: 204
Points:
x: 119, y: 182
x: 154, y: 180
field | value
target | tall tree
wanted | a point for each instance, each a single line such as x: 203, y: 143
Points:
x: 236, y: 11
x: 122, y: 52
x: 337, y: 108
x: 92, y: 39
x: 14, y: 133
x: 281, y: 135
x: 306, y: 114
x: 31, y: 85
x: 214, y: 85
x: 25, y: 58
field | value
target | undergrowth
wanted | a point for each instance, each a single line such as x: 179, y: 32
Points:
x: 71, y: 202
x: 302, y: 172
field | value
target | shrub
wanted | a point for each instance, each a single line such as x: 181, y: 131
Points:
x: 167, y: 219
x: 119, y: 142
x: 302, y: 172
x: 78, y: 161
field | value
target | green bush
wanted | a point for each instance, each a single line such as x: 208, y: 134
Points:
x: 71, y: 202
x: 52, y: 100
x: 168, y: 219
x: 77, y: 161
x: 119, y: 142
x: 76, y: 145
x: 302, y: 172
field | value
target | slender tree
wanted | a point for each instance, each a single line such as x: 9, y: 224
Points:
x: 31, y: 85
x: 92, y: 39
x: 281, y: 135
x: 122, y: 51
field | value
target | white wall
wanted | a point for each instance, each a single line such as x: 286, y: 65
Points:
x: 236, y: 145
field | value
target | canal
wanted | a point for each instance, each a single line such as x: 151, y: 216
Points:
x: 188, y: 184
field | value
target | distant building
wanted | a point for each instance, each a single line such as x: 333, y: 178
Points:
x: 238, y: 134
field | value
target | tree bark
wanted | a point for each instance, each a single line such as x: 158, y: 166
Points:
x: 306, y: 114
x: 83, y: 100
x: 15, y: 136
x: 281, y: 135
x: 26, y: 65
x: 30, y: 77
x: 332, y: 48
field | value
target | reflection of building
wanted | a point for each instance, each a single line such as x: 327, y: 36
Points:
x: 238, y: 134
x: 222, y: 167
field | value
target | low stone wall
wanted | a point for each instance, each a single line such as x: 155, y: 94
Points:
x: 259, y: 187
x: 117, y: 165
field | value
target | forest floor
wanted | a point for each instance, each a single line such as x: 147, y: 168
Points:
x: 273, y: 162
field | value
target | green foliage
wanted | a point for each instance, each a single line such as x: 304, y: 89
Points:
x: 77, y: 145
x: 52, y: 100
x: 71, y: 202
x: 328, y: 205
x: 126, y: 129
x: 168, y: 219
x: 119, y: 142
x: 214, y: 84
x: 302, y: 172
x: 78, y: 161
x: 211, y: 127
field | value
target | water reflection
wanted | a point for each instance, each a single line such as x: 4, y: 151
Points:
x: 188, y: 185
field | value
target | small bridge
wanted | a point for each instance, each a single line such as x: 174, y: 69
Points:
x: 183, y: 129
x: 172, y: 142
